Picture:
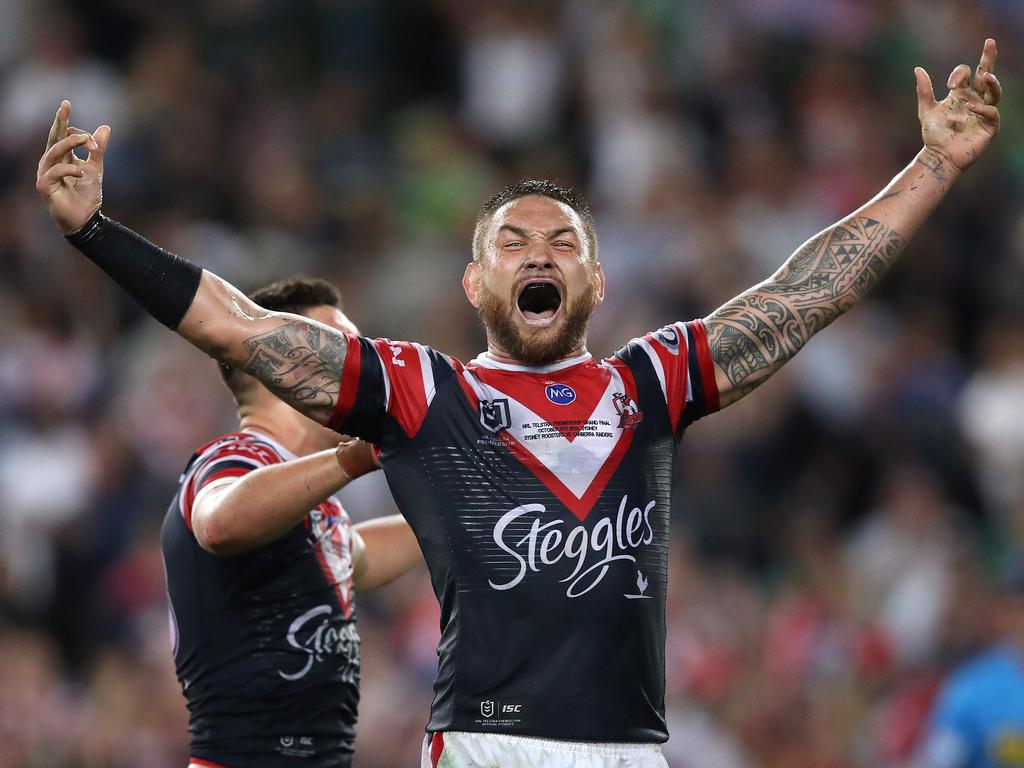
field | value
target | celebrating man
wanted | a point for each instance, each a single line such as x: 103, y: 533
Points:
x: 535, y: 477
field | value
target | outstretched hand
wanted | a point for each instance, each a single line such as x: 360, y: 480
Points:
x: 70, y: 187
x: 961, y: 125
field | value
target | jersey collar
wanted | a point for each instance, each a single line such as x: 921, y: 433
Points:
x: 484, y: 360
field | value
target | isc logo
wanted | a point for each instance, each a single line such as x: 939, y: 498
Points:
x: 560, y: 394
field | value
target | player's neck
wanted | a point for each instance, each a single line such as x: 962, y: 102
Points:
x: 498, y: 354
x: 280, y: 425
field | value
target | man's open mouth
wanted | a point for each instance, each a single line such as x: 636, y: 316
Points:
x: 539, y: 302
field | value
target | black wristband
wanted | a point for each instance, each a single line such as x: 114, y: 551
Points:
x: 164, y: 284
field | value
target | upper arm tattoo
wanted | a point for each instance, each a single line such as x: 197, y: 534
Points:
x: 301, y: 363
x: 754, y: 334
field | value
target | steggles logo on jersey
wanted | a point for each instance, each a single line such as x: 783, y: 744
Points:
x: 495, y: 415
x: 629, y: 412
x: 560, y: 394
x: 594, y: 551
x: 322, y: 639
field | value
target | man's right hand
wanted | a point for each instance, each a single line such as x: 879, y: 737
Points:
x: 70, y: 187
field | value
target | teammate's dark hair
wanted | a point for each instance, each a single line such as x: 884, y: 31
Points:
x: 295, y: 294
x: 526, y: 188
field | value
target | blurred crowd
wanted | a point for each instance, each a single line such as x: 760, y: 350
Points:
x: 835, y: 534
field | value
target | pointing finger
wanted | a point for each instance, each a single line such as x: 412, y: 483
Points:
x: 988, y: 56
x: 60, y: 124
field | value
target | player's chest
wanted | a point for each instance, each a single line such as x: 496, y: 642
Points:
x: 569, y: 432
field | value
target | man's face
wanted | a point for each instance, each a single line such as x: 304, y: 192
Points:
x: 535, y: 285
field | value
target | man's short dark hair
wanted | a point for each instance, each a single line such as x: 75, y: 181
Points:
x: 526, y: 188
x: 295, y: 294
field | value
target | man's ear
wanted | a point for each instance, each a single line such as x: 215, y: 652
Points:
x: 598, y: 284
x: 471, y: 283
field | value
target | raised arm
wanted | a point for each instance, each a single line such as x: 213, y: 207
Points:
x: 755, y: 334
x: 298, y: 359
x: 236, y: 514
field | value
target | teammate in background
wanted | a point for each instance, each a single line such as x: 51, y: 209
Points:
x: 536, y: 478
x: 978, y: 719
x: 261, y: 564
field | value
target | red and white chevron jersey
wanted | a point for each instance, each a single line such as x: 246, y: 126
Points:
x: 265, y: 643
x: 540, y: 498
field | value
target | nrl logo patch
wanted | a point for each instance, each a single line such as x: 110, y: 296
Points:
x: 495, y: 415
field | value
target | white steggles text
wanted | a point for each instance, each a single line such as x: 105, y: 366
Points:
x: 548, y: 543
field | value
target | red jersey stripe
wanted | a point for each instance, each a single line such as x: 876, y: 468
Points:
x: 707, y: 366
x: 205, y: 763
x: 436, y: 748
x: 350, y: 371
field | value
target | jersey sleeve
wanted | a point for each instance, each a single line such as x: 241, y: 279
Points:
x: 229, y: 458
x: 681, y: 361
x: 386, y: 387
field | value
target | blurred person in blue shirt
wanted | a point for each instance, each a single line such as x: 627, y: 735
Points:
x: 978, y: 718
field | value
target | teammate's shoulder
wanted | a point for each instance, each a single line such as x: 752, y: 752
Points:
x: 249, y: 445
x: 228, y: 439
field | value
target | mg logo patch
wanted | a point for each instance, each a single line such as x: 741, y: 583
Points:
x: 559, y: 394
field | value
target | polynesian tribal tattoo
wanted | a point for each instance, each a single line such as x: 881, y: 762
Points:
x: 301, y: 363
x: 758, y: 331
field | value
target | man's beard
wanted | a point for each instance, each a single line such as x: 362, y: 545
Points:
x: 541, y: 349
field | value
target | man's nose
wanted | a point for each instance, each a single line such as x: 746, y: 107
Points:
x: 538, y: 256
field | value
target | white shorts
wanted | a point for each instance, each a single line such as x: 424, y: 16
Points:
x: 455, y: 749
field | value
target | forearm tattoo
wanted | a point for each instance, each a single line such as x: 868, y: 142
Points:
x: 758, y: 331
x: 936, y: 165
x: 301, y: 363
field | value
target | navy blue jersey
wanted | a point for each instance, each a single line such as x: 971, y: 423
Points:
x: 265, y: 642
x: 540, y: 498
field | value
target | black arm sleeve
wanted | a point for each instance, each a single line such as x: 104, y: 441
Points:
x: 164, y: 284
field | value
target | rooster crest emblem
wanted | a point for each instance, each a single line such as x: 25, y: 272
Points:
x: 630, y: 414
x: 641, y: 587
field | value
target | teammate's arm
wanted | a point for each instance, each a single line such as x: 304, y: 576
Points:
x: 298, y: 359
x: 383, y: 549
x: 753, y: 335
x: 233, y: 515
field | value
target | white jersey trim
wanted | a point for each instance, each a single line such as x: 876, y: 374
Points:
x: 427, y: 370
x: 484, y: 360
